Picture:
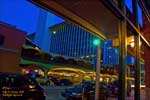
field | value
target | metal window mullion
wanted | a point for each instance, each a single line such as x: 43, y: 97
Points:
x: 137, y: 54
x: 79, y: 43
x: 122, y: 54
x: 71, y: 35
x: 61, y: 43
x: 67, y: 42
x: 73, y: 49
x: 54, y: 50
x: 69, y: 28
x: 84, y: 52
x: 93, y: 52
x: 79, y: 40
x: 63, y: 39
x: 75, y: 42
x: 87, y: 45
x: 81, y: 46
x: 90, y: 46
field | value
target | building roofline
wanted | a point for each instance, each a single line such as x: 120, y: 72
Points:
x: 11, y: 26
x: 32, y: 42
x: 58, y: 24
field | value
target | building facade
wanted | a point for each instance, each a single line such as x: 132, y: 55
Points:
x: 11, y: 41
x: 42, y: 33
x: 71, y: 41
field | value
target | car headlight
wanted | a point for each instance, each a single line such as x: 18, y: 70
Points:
x: 76, y: 94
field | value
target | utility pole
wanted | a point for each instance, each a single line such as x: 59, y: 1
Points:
x: 97, y: 82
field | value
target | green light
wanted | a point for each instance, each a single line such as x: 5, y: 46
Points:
x: 96, y: 42
x: 54, y: 32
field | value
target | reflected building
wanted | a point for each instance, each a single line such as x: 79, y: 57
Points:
x: 42, y: 33
x: 74, y: 42
x: 71, y: 41
x: 11, y: 41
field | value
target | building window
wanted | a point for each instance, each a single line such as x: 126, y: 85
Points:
x: 1, y: 40
x: 140, y: 19
x: 129, y: 5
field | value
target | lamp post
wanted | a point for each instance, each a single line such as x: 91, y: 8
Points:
x: 97, y: 43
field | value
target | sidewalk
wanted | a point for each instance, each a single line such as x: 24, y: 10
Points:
x: 129, y: 98
x: 132, y: 96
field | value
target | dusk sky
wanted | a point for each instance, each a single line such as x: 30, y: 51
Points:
x: 20, y: 13
x: 24, y: 15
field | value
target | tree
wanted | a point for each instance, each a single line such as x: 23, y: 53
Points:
x: 88, y: 64
x: 30, y: 52
x: 71, y: 61
x: 60, y: 59
x: 46, y: 56
x: 80, y: 63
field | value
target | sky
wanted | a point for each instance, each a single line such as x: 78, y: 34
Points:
x: 20, y: 13
x: 24, y: 15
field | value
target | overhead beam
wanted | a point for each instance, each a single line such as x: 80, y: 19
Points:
x: 61, y: 11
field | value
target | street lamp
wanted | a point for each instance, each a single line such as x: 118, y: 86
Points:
x: 132, y: 43
x: 97, y: 42
x: 54, y: 32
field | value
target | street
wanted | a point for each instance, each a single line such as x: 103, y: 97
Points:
x: 54, y: 93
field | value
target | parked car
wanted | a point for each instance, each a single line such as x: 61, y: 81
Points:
x: 55, y: 80
x: 43, y: 80
x: 113, y: 87
x: 18, y: 87
x: 61, y: 82
x: 65, y: 82
x: 85, y: 90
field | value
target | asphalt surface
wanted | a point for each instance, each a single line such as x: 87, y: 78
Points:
x: 54, y: 93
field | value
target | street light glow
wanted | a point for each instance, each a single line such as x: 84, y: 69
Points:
x: 54, y: 32
x: 96, y: 42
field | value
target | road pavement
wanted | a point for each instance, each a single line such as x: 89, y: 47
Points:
x: 54, y: 93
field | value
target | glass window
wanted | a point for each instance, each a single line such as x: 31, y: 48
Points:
x: 140, y: 19
x: 4, y: 81
x: 129, y: 4
x: 1, y: 40
x: 17, y: 81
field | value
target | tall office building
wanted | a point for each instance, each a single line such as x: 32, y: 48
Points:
x: 43, y: 35
x: 72, y: 41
